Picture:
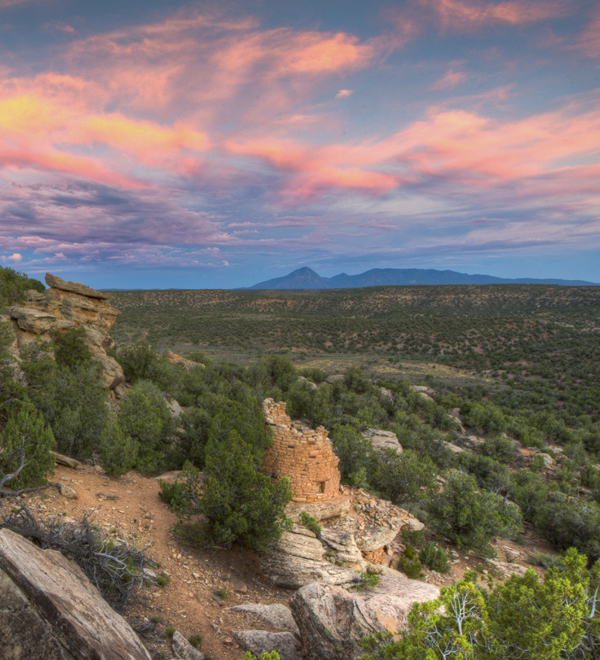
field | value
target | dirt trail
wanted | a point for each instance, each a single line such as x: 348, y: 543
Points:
x: 131, y: 505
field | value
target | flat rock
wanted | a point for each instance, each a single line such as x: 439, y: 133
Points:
x: 453, y: 448
x: 507, y: 569
x: 260, y: 641
x: 183, y: 362
x: 422, y: 389
x: 74, y: 287
x: 334, y: 379
x: 383, y: 439
x: 335, y: 508
x: 50, y: 610
x: 307, y: 383
x: 183, y: 650
x: 276, y: 615
x: 471, y: 442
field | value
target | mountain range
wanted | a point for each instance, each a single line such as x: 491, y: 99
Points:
x: 306, y: 278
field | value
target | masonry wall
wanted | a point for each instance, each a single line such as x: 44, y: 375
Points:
x: 302, y: 454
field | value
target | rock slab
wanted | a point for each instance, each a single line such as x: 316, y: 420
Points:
x: 261, y: 641
x: 49, y: 609
x: 332, y: 621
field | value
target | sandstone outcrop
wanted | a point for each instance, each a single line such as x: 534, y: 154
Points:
x: 68, y: 305
x: 183, y: 362
x: 260, y: 641
x: 276, y: 615
x: 383, y: 440
x: 299, y: 558
x: 49, y: 609
x: 302, y: 454
x: 332, y: 620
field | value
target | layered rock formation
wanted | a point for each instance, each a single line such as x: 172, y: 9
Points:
x: 68, y: 305
x: 49, y: 609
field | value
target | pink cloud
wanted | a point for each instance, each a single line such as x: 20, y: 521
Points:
x: 471, y: 14
x: 343, y: 93
x: 589, y: 41
x: 450, y: 80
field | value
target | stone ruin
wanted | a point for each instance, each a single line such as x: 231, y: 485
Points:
x: 302, y: 454
x: 68, y: 305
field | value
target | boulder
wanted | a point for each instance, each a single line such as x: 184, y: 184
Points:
x: 183, y: 650
x: 334, y: 379
x: 393, y: 598
x: 49, y: 609
x: 372, y: 538
x: 276, y: 615
x: 383, y: 440
x: 452, y: 447
x: 307, y: 383
x: 261, y: 641
x: 549, y: 462
x: 470, y: 442
x: 175, y: 409
x: 32, y: 320
x: 422, y: 389
x: 332, y: 621
x: 299, y: 558
x: 387, y: 395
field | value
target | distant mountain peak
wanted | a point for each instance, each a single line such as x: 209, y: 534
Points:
x: 307, y: 278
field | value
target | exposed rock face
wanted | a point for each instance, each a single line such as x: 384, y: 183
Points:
x: 49, y: 609
x: 332, y: 621
x: 68, y: 305
x: 261, y: 641
x: 183, y: 362
x: 383, y: 440
x: 393, y: 598
x: 276, y: 615
x: 302, y: 454
x: 299, y: 558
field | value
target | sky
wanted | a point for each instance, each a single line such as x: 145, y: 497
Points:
x: 153, y: 144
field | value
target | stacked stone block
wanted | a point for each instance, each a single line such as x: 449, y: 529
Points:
x: 302, y: 454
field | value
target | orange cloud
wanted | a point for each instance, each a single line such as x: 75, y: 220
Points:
x: 142, y: 138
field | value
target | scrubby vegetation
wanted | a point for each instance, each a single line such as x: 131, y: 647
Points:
x: 534, y: 407
x: 554, y: 618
